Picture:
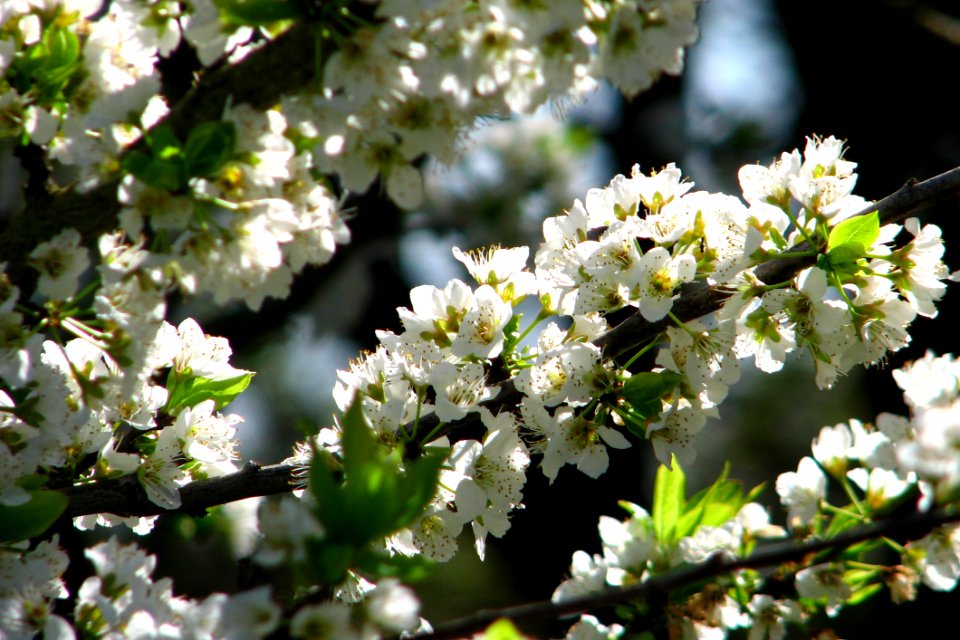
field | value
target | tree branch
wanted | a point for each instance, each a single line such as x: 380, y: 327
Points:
x: 896, y: 207
x: 125, y: 496
x: 635, y: 330
x: 912, y: 527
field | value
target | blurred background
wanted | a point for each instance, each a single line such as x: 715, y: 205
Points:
x: 764, y: 75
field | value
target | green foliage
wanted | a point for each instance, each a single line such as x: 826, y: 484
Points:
x: 372, y: 494
x: 675, y: 517
x: 643, y: 391
x: 209, y: 146
x: 669, y: 490
x: 711, y: 506
x: 189, y: 391
x: 257, y: 13
x: 842, y: 521
x: 850, y: 241
x: 169, y: 164
x: 502, y: 629
x: 31, y: 518
x: 46, y: 68
x: 162, y: 165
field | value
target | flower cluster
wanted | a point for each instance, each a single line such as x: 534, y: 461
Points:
x: 123, y: 600
x: 896, y: 463
x: 65, y: 401
x: 131, y: 394
x: 441, y: 423
x: 896, y: 460
x: 636, y: 243
x: 642, y: 546
x: 235, y: 208
x: 96, y: 385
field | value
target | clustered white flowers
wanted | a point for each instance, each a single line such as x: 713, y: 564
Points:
x: 634, y: 244
x: 96, y: 385
x: 239, y: 220
x: 881, y: 467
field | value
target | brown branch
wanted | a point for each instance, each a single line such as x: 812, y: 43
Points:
x: 125, y: 496
x: 911, y: 527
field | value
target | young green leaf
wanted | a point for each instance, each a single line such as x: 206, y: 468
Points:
x: 329, y: 561
x: 31, y: 518
x: 712, y: 506
x: 841, y: 522
x: 724, y: 503
x: 644, y: 390
x: 668, y: 497
x: 858, y: 231
x: 256, y: 13
x: 376, y: 562
x: 502, y: 629
x: 190, y: 391
x: 164, y: 166
x: 380, y: 493
x: 325, y: 487
x: 209, y: 146
x: 62, y: 45
x: 418, y: 485
x: 865, y: 593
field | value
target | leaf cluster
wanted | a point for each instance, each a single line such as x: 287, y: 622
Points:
x: 167, y: 163
x: 364, y: 497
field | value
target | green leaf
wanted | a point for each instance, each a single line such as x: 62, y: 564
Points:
x: 191, y: 391
x: 163, y: 142
x: 853, y: 233
x: 863, y: 594
x: 329, y: 561
x: 844, y: 260
x: 377, y: 494
x: 47, y: 66
x: 841, y: 522
x: 634, y: 421
x: 257, y: 13
x: 63, y: 47
x: 377, y: 497
x: 754, y: 493
x: 325, y: 487
x: 168, y: 174
x: 502, y: 629
x: 209, y: 146
x: 644, y: 390
x: 33, y: 481
x: 418, y: 485
x: 668, y: 497
x: 359, y: 446
x: 725, y: 506
x: 712, y: 506
x: 31, y: 518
